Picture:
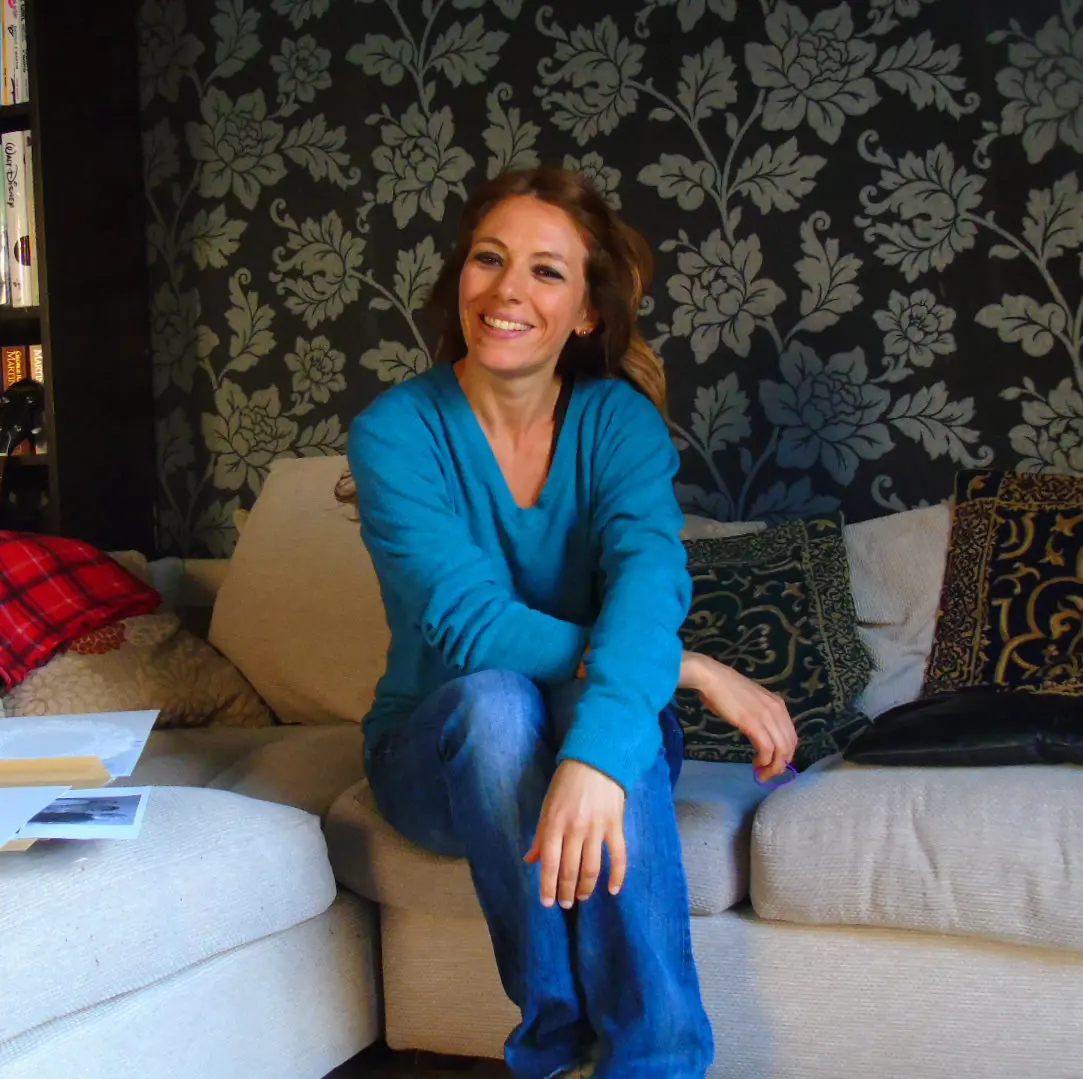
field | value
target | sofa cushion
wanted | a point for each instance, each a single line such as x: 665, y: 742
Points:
x: 984, y: 852
x: 776, y: 607
x: 210, y: 870
x: 299, y: 612
x: 715, y: 804
x: 149, y: 661
x: 293, y: 1005
x: 896, y: 570
x: 303, y: 767
x: 1013, y: 590
x: 53, y: 590
x: 194, y: 757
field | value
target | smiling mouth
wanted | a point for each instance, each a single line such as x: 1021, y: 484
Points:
x: 504, y: 324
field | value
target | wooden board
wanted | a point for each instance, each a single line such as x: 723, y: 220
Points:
x: 77, y: 772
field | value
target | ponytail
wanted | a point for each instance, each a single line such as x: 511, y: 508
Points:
x: 643, y: 369
x: 633, y: 261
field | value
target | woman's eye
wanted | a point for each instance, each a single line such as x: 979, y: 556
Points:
x: 487, y: 258
x: 549, y: 273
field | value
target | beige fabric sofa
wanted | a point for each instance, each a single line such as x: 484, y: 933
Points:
x: 896, y: 923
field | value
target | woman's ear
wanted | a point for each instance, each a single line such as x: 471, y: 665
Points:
x: 588, y: 321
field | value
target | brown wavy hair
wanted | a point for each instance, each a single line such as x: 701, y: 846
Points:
x: 618, y: 273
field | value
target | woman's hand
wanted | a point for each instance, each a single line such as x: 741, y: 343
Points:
x: 583, y: 809
x: 753, y: 710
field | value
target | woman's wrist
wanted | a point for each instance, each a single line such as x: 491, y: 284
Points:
x: 693, y: 670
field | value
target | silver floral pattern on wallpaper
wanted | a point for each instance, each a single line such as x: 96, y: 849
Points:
x: 867, y: 220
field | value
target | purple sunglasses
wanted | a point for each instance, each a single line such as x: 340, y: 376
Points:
x: 778, y: 781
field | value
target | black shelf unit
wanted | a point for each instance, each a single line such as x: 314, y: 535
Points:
x: 98, y: 477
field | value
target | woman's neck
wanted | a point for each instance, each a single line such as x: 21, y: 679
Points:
x: 509, y: 407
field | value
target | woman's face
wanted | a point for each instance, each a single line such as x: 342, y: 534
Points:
x: 523, y: 287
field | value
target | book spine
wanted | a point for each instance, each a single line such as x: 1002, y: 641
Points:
x: 15, y: 203
x: 11, y: 63
x: 5, y: 253
x: 16, y: 364
x: 22, y: 79
x: 31, y: 217
x: 5, y: 19
x: 37, y: 373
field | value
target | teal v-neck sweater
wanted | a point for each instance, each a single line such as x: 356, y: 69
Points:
x: 471, y: 581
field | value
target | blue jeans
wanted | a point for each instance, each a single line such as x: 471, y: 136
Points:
x: 614, y: 976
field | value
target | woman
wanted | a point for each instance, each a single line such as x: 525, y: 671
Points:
x: 518, y: 504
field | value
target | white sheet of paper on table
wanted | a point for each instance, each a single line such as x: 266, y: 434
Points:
x: 19, y: 804
x: 118, y: 738
x: 99, y: 813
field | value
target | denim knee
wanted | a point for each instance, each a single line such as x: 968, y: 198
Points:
x: 499, y: 716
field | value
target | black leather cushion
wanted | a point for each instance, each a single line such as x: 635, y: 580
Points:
x: 1011, y: 609
x: 974, y: 727
x: 776, y: 606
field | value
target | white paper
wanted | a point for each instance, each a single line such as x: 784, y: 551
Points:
x: 118, y: 738
x: 19, y: 804
x: 99, y: 813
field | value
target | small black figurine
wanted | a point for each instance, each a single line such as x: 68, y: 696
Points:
x: 22, y: 406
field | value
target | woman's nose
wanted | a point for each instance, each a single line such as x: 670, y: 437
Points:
x: 509, y: 286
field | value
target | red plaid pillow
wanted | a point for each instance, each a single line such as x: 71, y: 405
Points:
x: 54, y: 590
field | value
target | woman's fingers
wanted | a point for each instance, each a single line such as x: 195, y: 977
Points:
x: 591, y: 866
x: 548, y: 845
x: 759, y: 733
x: 766, y: 761
x: 755, y: 723
x: 774, y: 737
x: 570, y: 860
x: 618, y: 856
x: 571, y: 866
x: 775, y: 713
x: 785, y: 732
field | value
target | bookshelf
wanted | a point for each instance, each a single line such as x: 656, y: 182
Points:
x: 97, y: 480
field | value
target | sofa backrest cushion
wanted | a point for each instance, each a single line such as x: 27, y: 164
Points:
x: 776, y: 605
x: 896, y: 570
x: 299, y: 611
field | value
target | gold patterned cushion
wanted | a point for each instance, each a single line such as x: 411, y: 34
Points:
x: 1011, y: 609
x: 777, y: 607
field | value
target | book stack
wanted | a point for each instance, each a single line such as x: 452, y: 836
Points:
x: 56, y: 776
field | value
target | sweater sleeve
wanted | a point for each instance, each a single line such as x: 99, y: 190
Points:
x: 634, y: 661
x: 424, y: 554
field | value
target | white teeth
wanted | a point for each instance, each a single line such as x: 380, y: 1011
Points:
x: 503, y: 324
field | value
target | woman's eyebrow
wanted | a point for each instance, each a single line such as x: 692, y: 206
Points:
x: 555, y: 255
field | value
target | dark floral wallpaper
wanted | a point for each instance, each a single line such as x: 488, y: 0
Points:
x: 867, y: 218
